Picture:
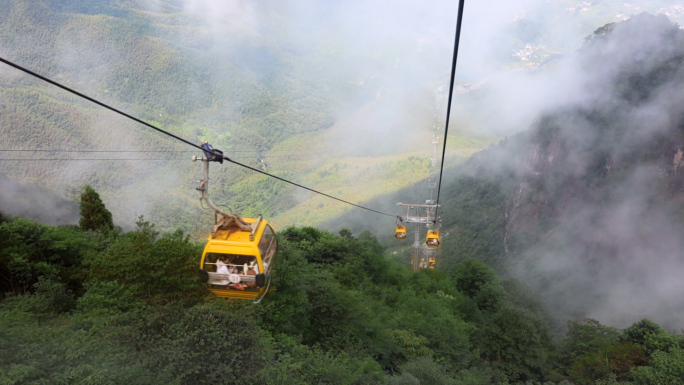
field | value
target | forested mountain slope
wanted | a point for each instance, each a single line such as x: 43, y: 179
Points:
x: 109, y: 307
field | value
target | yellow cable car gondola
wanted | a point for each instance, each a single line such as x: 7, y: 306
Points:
x: 431, y: 263
x: 400, y: 232
x: 238, y: 257
x: 432, y: 239
x: 237, y: 263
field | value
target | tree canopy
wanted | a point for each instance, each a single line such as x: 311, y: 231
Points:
x: 94, y: 214
x: 128, y: 307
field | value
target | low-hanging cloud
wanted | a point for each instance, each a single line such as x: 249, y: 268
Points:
x: 598, y: 186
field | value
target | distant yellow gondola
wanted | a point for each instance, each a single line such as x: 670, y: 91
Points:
x: 432, y: 239
x: 400, y: 232
x: 431, y: 263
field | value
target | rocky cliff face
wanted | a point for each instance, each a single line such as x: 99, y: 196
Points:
x: 553, y: 180
x: 594, y: 208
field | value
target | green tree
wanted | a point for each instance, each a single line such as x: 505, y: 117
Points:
x: 29, y: 250
x: 585, y: 337
x: 50, y: 298
x: 94, y: 214
x: 665, y: 369
x: 301, y: 365
x: 650, y: 335
x: 36, y: 350
x: 4, y: 217
x: 202, y: 344
x: 163, y: 269
x: 478, y: 282
x: 422, y: 371
x: 471, y: 275
x: 515, y: 342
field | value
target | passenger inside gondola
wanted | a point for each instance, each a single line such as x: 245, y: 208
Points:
x: 251, y: 269
x: 234, y: 269
x: 433, y: 242
x: 222, y: 268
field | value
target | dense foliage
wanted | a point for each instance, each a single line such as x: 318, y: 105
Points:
x: 127, y: 307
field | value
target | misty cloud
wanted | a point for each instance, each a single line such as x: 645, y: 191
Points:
x: 597, y: 185
x: 35, y: 202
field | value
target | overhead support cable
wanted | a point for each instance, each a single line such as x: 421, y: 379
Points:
x: 114, y: 151
x: 163, y: 151
x: 54, y: 83
x: 72, y: 159
x: 293, y: 156
x: 253, y: 158
x: 457, y: 39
